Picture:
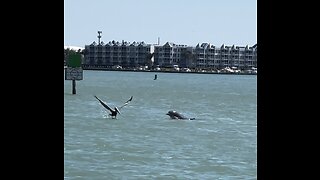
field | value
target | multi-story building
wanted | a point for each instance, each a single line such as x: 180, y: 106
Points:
x: 114, y: 53
x: 137, y: 54
x: 208, y: 56
x: 205, y: 56
x: 169, y: 54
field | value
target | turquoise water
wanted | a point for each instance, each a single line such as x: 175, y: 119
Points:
x: 144, y: 143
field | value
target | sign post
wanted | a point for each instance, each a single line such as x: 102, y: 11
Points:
x: 74, y: 86
x: 74, y: 71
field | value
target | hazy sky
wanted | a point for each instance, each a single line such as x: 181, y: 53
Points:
x: 188, y: 22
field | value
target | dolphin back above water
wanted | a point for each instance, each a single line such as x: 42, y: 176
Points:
x: 176, y: 115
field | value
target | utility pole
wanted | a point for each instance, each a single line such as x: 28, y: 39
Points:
x: 99, y: 36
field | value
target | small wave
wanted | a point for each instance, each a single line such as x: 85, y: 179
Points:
x: 229, y: 119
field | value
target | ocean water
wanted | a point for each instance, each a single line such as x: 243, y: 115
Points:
x: 144, y: 143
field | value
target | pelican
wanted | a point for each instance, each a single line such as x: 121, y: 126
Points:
x: 114, y: 111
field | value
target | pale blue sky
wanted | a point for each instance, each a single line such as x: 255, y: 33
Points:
x: 188, y: 22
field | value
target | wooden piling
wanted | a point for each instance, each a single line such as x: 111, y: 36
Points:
x: 73, y: 86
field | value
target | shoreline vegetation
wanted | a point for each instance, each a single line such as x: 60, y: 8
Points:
x: 227, y: 70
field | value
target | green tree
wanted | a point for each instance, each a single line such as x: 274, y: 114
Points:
x: 69, y: 51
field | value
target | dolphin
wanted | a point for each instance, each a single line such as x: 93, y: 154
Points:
x: 114, y: 111
x: 176, y: 115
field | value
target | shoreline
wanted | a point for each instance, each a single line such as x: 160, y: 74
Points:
x: 168, y: 71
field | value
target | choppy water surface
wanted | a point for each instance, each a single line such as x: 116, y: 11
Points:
x: 144, y: 143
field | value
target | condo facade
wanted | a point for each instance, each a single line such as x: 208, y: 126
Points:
x: 137, y: 54
x: 208, y: 56
x: 114, y: 53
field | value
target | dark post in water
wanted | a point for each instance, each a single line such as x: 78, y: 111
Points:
x: 74, y: 86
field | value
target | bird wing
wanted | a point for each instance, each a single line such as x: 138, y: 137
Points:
x: 104, y: 104
x: 126, y: 103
